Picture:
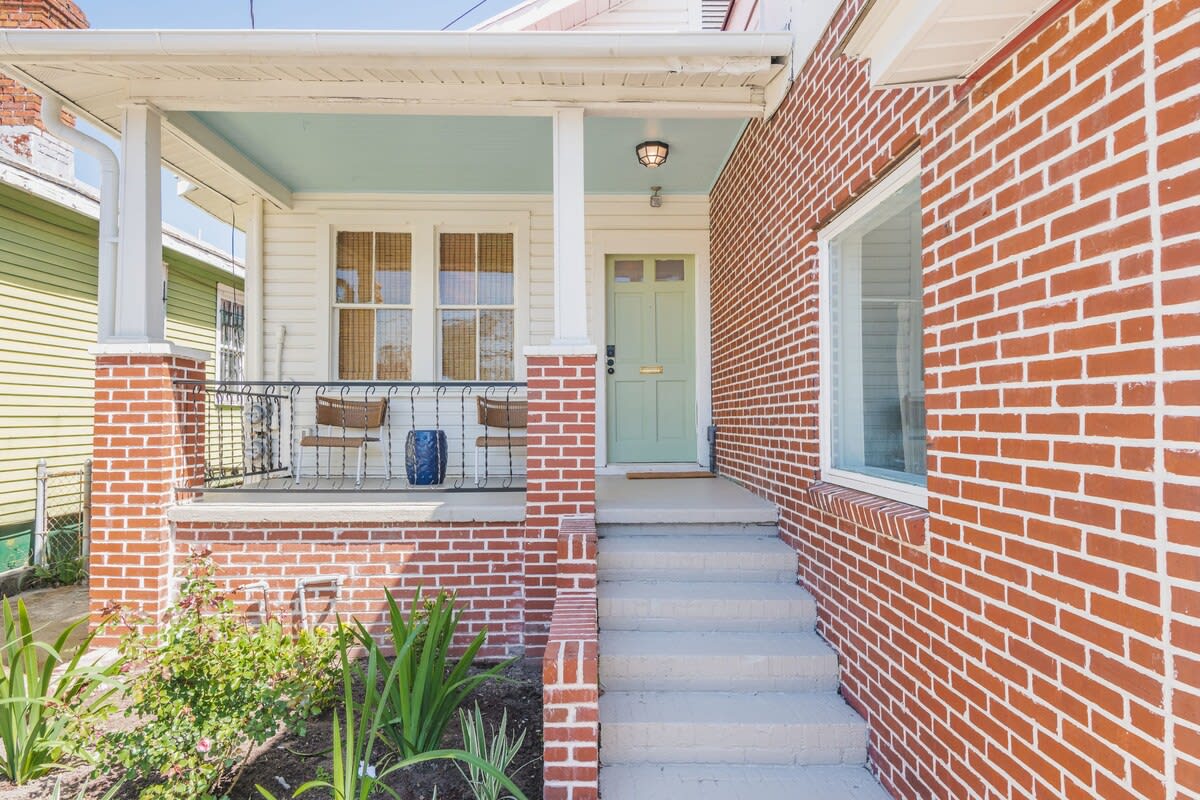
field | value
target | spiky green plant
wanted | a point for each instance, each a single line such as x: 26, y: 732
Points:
x: 499, y: 751
x: 47, y: 698
x: 357, y: 728
x: 430, y: 685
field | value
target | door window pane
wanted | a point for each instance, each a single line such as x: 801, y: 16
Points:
x: 878, y: 388
x: 668, y: 270
x: 628, y: 271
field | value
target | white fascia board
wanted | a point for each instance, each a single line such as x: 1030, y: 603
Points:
x: 396, y: 48
x: 915, y: 41
x: 889, y: 28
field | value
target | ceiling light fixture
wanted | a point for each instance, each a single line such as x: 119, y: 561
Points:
x: 652, y: 154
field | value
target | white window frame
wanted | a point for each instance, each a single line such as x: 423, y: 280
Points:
x: 335, y: 306
x: 424, y: 227
x: 911, y: 494
x: 439, y: 306
x: 227, y: 292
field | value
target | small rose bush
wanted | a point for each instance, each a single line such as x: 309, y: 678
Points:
x: 211, y: 686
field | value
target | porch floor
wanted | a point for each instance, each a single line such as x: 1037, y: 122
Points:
x: 678, y: 500
x: 618, y: 500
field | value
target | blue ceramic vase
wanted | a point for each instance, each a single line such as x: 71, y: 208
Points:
x: 425, y: 455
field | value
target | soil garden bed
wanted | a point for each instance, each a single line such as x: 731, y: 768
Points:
x: 278, y: 765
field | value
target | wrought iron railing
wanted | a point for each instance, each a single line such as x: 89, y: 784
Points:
x: 350, y: 435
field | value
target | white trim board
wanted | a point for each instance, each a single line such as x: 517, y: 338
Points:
x: 913, y: 495
x: 690, y: 242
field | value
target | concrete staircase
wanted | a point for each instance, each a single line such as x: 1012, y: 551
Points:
x: 715, y: 685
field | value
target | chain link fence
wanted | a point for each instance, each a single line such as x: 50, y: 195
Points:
x: 62, y: 521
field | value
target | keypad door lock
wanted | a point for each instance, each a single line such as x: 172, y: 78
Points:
x: 611, y: 351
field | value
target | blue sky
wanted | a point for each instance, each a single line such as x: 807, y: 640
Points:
x: 345, y: 14
x: 352, y: 14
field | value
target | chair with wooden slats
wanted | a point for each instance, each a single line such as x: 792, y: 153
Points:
x: 506, y: 415
x: 340, y: 416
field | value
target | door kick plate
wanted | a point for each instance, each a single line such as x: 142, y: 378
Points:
x: 656, y: 370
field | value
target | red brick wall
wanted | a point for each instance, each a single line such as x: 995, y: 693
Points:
x: 482, y: 563
x: 562, y: 473
x: 570, y: 672
x: 18, y: 106
x: 139, y: 457
x: 1042, y: 641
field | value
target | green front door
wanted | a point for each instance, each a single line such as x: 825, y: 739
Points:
x: 650, y: 359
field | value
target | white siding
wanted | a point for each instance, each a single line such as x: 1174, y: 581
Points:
x: 634, y: 15
x: 296, y: 277
x: 296, y: 270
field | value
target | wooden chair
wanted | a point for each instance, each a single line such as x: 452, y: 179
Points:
x: 342, y: 414
x: 506, y: 415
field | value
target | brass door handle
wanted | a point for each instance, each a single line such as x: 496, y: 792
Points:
x: 655, y: 370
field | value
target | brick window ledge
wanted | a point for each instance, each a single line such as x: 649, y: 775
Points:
x: 907, y: 524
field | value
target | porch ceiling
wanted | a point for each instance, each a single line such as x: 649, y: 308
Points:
x: 456, y: 154
x: 644, y: 75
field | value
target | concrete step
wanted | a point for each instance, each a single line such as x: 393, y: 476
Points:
x: 706, y: 558
x: 743, y: 528
x: 697, y: 661
x: 774, y: 728
x: 704, y: 606
x: 725, y: 782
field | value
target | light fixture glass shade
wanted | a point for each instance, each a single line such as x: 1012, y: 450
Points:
x: 652, y: 154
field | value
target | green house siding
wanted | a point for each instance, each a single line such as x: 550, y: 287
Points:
x: 48, y: 261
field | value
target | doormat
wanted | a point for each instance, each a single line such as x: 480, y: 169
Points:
x: 656, y: 476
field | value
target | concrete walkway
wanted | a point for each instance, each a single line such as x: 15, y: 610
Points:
x: 52, y: 610
x: 678, y: 500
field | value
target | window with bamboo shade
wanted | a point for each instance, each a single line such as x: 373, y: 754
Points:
x: 373, y: 306
x: 476, y: 306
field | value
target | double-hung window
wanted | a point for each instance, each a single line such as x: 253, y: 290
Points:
x: 476, y: 306
x: 426, y: 304
x: 873, y: 387
x: 231, y: 334
x: 373, y: 306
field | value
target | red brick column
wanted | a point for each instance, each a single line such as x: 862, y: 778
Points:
x: 562, y: 473
x: 148, y: 440
x: 570, y: 674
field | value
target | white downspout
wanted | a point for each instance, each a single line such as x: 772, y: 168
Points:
x: 110, y: 187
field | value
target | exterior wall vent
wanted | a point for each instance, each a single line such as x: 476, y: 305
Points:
x: 712, y: 14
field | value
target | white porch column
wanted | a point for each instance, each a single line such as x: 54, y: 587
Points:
x: 140, y: 307
x: 570, y: 259
x: 255, y: 335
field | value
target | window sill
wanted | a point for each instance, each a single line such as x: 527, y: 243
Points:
x: 900, y: 521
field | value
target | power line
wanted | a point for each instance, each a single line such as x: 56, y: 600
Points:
x: 460, y: 16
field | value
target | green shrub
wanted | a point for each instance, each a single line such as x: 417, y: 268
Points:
x: 48, y: 701
x: 65, y: 572
x: 499, y: 752
x: 429, y: 685
x: 211, y: 686
x: 357, y: 727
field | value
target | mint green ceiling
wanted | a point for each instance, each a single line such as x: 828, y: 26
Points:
x: 451, y: 154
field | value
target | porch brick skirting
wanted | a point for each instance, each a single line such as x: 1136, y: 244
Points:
x: 140, y: 455
x: 504, y: 572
